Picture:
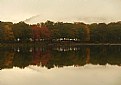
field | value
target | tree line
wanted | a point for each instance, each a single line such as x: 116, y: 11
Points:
x: 60, y: 31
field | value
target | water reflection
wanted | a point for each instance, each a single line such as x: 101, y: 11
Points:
x: 84, y: 75
x: 51, y: 57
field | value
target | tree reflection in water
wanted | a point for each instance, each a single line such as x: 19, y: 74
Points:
x: 51, y: 57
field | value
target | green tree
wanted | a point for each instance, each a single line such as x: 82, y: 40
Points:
x: 22, y: 31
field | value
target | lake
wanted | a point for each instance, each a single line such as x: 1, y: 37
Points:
x: 60, y: 65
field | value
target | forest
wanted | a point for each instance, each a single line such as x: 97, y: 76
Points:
x: 50, y: 31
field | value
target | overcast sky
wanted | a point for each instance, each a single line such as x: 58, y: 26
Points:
x: 88, y: 11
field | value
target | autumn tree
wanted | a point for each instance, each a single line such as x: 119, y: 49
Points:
x: 35, y: 32
x: 45, y: 32
x: 8, y: 32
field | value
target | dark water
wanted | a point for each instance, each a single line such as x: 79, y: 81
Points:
x: 62, y: 65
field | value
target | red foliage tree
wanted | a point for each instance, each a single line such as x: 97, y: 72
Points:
x: 39, y: 32
x: 35, y: 32
x: 45, y: 32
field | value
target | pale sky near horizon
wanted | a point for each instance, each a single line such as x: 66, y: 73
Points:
x: 88, y: 11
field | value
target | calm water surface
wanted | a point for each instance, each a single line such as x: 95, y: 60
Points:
x: 84, y: 65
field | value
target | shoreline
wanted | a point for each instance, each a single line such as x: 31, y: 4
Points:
x: 59, y: 44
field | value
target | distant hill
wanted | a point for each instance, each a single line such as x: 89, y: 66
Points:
x: 41, y: 18
x: 85, y: 19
